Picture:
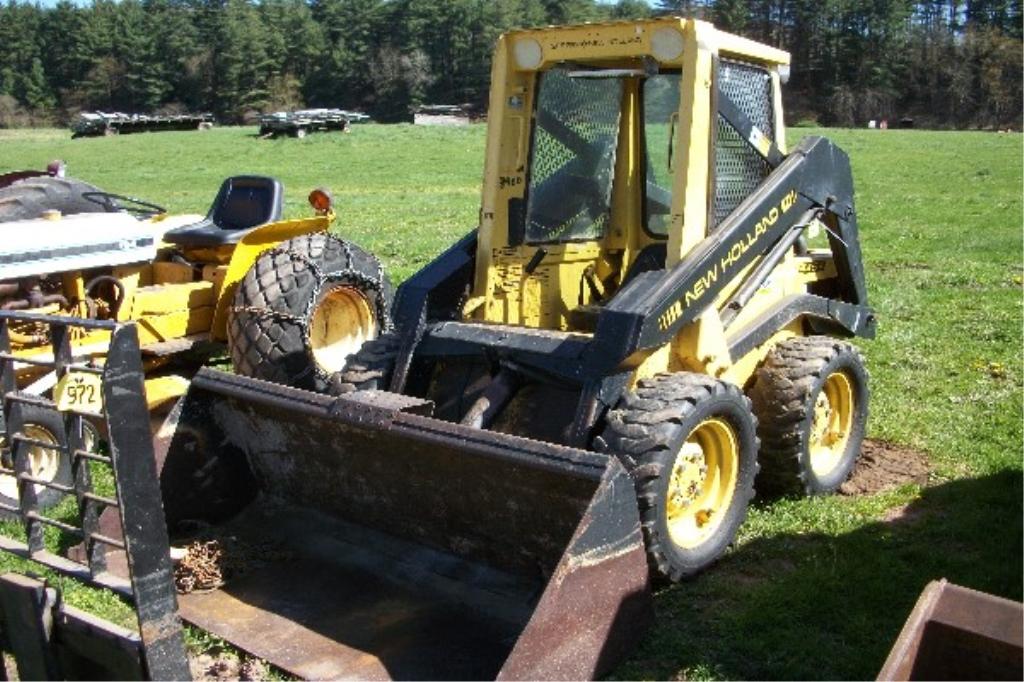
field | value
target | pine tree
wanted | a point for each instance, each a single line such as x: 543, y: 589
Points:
x: 34, y: 90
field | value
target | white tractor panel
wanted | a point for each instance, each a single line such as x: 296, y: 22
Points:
x: 75, y: 242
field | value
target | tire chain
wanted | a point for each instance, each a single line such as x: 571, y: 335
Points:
x: 320, y: 279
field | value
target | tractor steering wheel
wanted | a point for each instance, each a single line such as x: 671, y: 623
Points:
x: 112, y: 203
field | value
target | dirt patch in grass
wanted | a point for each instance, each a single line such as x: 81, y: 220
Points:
x: 883, y: 466
x: 225, y: 666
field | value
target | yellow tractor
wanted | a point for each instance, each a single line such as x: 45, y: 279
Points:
x: 577, y: 393
x: 176, y: 278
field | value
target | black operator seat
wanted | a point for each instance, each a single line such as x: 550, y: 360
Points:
x: 243, y: 202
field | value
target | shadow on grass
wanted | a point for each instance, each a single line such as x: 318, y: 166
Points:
x: 819, y: 606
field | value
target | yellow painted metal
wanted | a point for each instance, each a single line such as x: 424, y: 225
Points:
x: 163, y: 389
x: 545, y: 297
x: 73, y: 285
x: 157, y: 299
x: 743, y: 368
x: 702, y: 483
x: 831, y: 423
x: 634, y: 38
x: 131, y: 278
x: 780, y: 119
x: 342, y: 321
x: 690, y: 185
x: 173, y: 325
x: 732, y: 45
x: 80, y: 392
x: 217, y: 255
x: 169, y: 272
x: 251, y: 247
x: 627, y: 209
x: 702, y: 346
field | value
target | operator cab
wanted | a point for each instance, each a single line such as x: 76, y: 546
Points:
x: 601, y: 192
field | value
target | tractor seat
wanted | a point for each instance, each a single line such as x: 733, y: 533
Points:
x: 243, y: 202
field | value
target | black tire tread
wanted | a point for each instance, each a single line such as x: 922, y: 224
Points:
x: 642, y: 428
x: 780, y: 401
x: 30, y: 198
x: 370, y: 368
x: 273, y: 304
x: 53, y: 422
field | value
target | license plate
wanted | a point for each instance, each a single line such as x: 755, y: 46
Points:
x: 79, y: 392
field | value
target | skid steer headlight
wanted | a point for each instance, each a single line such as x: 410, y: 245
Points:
x: 321, y: 201
x: 528, y: 53
x: 666, y: 44
x: 783, y: 73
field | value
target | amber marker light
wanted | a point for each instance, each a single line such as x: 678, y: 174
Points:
x: 321, y: 201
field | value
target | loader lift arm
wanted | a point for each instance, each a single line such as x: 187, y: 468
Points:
x: 654, y: 306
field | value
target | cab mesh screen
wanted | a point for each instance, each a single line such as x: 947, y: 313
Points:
x: 573, y: 158
x: 738, y: 167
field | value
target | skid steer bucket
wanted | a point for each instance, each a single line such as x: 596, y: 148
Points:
x: 955, y: 633
x: 394, y: 545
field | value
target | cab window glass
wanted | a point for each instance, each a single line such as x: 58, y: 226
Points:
x: 660, y: 106
x: 572, y: 164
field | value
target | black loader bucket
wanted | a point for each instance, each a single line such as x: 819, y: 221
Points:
x: 389, y: 544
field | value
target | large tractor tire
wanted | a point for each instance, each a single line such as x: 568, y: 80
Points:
x: 690, y: 443
x: 51, y: 465
x: 371, y: 367
x: 811, y: 400
x: 304, y: 308
x: 30, y: 198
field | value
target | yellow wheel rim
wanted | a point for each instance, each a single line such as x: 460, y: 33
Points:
x: 341, y: 323
x: 44, y: 463
x: 702, y: 483
x: 831, y: 423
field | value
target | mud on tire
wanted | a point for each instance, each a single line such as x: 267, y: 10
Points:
x: 786, y: 390
x: 275, y: 330
x: 650, y: 430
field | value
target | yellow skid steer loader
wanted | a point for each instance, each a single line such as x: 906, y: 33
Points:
x: 577, y: 393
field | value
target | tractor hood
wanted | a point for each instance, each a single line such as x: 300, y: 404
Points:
x: 86, y: 240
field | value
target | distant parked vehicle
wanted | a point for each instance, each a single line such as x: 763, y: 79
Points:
x: 299, y: 123
x: 97, y: 123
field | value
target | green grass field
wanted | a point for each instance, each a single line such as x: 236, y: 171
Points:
x: 814, y: 588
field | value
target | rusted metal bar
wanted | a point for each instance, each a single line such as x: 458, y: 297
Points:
x: 955, y: 633
x: 494, y: 398
x: 140, y: 510
x: 158, y: 650
x: 66, y: 527
x: 53, y: 641
x: 28, y: 626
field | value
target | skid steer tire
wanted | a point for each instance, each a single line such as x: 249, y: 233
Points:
x: 304, y: 307
x: 30, y: 198
x: 688, y: 440
x: 808, y: 391
x: 370, y: 368
x: 51, y: 465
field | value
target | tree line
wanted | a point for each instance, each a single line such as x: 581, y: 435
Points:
x: 944, y: 63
